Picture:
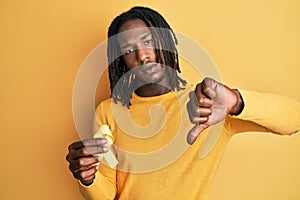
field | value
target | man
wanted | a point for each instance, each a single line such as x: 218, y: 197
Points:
x: 158, y: 153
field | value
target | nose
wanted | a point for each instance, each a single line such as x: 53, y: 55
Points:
x: 142, y: 55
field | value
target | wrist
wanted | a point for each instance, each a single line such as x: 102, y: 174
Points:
x: 238, y: 107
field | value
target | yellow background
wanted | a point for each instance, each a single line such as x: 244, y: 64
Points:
x: 255, y: 45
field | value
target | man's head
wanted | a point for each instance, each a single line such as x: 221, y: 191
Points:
x: 138, y: 54
x: 145, y: 46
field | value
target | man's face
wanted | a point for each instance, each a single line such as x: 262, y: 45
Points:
x: 137, y: 47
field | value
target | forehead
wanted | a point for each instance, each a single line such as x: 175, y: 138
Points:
x: 132, y: 24
x: 132, y: 29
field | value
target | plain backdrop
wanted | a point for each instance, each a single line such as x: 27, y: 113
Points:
x: 255, y: 45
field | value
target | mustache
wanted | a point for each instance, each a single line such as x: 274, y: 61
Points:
x: 146, y: 67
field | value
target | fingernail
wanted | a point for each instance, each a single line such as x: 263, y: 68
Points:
x: 190, y: 140
x: 99, y: 158
x: 105, y: 149
x: 104, y: 140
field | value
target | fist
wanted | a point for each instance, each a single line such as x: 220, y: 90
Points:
x: 82, y: 162
x: 209, y: 105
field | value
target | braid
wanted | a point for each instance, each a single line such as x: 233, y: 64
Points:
x: 164, y: 38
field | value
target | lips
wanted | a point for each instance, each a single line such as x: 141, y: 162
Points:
x: 149, y: 68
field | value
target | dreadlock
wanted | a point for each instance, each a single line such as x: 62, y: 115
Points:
x: 165, y: 40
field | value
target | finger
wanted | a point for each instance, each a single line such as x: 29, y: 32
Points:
x: 209, y: 92
x: 198, y: 92
x: 198, y: 115
x: 204, y: 112
x: 194, y: 113
x: 94, y: 142
x: 199, y: 120
x: 87, y: 142
x: 194, y: 133
x: 86, y: 174
x: 86, y: 152
x: 208, y: 87
x: 91, y: 150
x: 193, y: 100
x: 88, y: 180
x: 205, y: 102
x: 192, y: 108
x: 82, y: 163
x: 75, y: 145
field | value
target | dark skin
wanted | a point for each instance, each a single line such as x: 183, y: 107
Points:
x: 208, y: 105
x: 139, y: 56
x: 81, y: 159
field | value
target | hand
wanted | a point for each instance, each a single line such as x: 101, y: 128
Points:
x: 209, y: 105
x: 82, y: 163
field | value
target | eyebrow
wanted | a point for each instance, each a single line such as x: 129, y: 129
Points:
x: 145, y: 36
x: 126, y: 45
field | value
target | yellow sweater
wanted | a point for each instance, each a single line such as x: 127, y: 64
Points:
x: 155, y: 161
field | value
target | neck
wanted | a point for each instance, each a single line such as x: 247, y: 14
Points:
x: 150, y: 90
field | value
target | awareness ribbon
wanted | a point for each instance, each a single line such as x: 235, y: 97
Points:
x: 104, y: 132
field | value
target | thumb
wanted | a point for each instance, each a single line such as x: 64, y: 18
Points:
x: 195, y: 132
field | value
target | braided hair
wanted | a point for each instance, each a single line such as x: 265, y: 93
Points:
x: 162, y: 38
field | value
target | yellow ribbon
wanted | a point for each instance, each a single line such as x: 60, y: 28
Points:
x: 104, y: 132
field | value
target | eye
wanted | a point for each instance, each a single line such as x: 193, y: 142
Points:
x: 128, y: 51
x: 148, y: 42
